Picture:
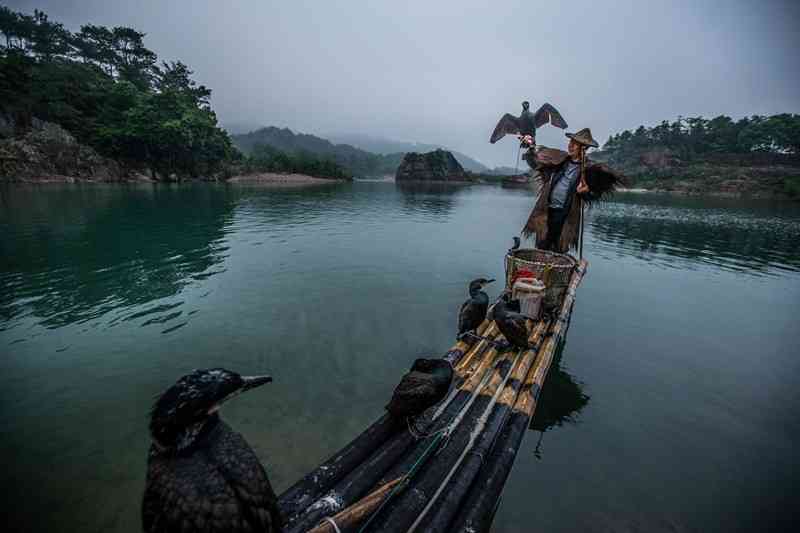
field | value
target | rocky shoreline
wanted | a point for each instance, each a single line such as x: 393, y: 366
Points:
x: 46, y: 153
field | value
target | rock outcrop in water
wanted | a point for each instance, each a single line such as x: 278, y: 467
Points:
x: 439, y: 165
x: 47, y: 152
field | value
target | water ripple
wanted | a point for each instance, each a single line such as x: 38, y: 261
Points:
x: 757, y: 242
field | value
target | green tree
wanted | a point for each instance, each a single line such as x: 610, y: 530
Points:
x: 95, y: 44
x: 48, y: 39
x: 132, y: 60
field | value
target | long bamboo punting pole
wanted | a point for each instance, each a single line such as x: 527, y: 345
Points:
x: 355, y: 514
x: 478, y: 509
x: 314, y: 484
x: 364, y: 476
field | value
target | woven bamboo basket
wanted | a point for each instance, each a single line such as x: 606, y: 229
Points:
x: 552, y: 268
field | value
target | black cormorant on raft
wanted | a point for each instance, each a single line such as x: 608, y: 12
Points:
x: 473, y: 311
x: 511, y: 323
x: 201, y: 475
x: 422, y: 387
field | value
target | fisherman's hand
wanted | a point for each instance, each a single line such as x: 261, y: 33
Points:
x: 582, y: 187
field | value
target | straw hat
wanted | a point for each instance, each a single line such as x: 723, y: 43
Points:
x: 584, y: 137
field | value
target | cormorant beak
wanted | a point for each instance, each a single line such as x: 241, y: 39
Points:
x: 488, y: 281
x: 251, y: 382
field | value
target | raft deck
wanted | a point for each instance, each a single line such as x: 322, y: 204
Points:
x: 447, y: 471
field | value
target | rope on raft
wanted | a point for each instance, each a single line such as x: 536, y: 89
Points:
x: 481, y: 423
x: 440, y: 436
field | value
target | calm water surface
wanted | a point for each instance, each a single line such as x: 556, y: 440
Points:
x: 674, y: 407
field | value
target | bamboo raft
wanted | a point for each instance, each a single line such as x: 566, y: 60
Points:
x: 447, y: 472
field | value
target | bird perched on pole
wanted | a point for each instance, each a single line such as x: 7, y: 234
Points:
x: 425, y: 385
x: 473, y: 311
x: 201, y: 475
x: 527, y: 123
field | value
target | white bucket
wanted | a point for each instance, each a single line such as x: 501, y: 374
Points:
x: 530, y: 293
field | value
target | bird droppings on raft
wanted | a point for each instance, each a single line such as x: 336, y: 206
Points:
x: 446, y: 470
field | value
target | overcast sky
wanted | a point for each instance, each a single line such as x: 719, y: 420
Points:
x: 445, y: 71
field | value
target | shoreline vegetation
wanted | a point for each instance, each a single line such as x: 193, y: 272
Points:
x: 96, y: 105
x: 755, y: 156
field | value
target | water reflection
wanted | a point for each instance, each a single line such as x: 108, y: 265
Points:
x: 78, y: 253
x: 755, y: 237
x: 560, y: 401
x: 432, y: 199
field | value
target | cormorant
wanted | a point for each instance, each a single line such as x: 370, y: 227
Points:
x: 423, y: 386
x: 511, y: 323
x: 515, y: 246
x: 201, y: 475
x: 527, y: 122
x: 473, y: 311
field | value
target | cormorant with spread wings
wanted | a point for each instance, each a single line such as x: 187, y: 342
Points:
x: 527, y: 122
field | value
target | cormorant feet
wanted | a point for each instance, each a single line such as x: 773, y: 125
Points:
x: 470, y: 335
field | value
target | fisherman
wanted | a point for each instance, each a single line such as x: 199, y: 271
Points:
x: 568, y: 180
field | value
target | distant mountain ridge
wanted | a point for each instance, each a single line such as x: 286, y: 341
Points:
x: 379, y: 145
x: 359, y: 161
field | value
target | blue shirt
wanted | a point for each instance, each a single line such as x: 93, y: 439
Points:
x: 564, y: 181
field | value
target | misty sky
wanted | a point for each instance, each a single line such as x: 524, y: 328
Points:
x: 444, y: 71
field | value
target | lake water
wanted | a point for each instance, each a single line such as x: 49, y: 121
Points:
x: 674, y: 407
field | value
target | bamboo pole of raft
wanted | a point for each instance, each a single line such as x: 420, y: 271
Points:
x: 481, y: 503
x: 403, y: 513
x: 309, y: 488
x: 364, y: 476
x: 482, y: 439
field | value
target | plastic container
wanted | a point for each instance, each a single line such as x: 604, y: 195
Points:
x: 530, y: 292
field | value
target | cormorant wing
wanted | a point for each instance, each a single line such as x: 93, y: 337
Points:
x: 413, y: 383
x: 248, y: 479
x: 463, y: 316
x: 508, y: 124
x: 602, y: 181
x: 215, y: 491
x: 549, y: 114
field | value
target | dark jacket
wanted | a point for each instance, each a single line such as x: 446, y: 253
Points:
x: 547, y: 161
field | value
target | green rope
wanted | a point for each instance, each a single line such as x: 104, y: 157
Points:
x: 406, y: 478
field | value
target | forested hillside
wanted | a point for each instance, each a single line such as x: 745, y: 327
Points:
x: 110, y: 92
x: 356, y: 161
x: 755, y: 155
